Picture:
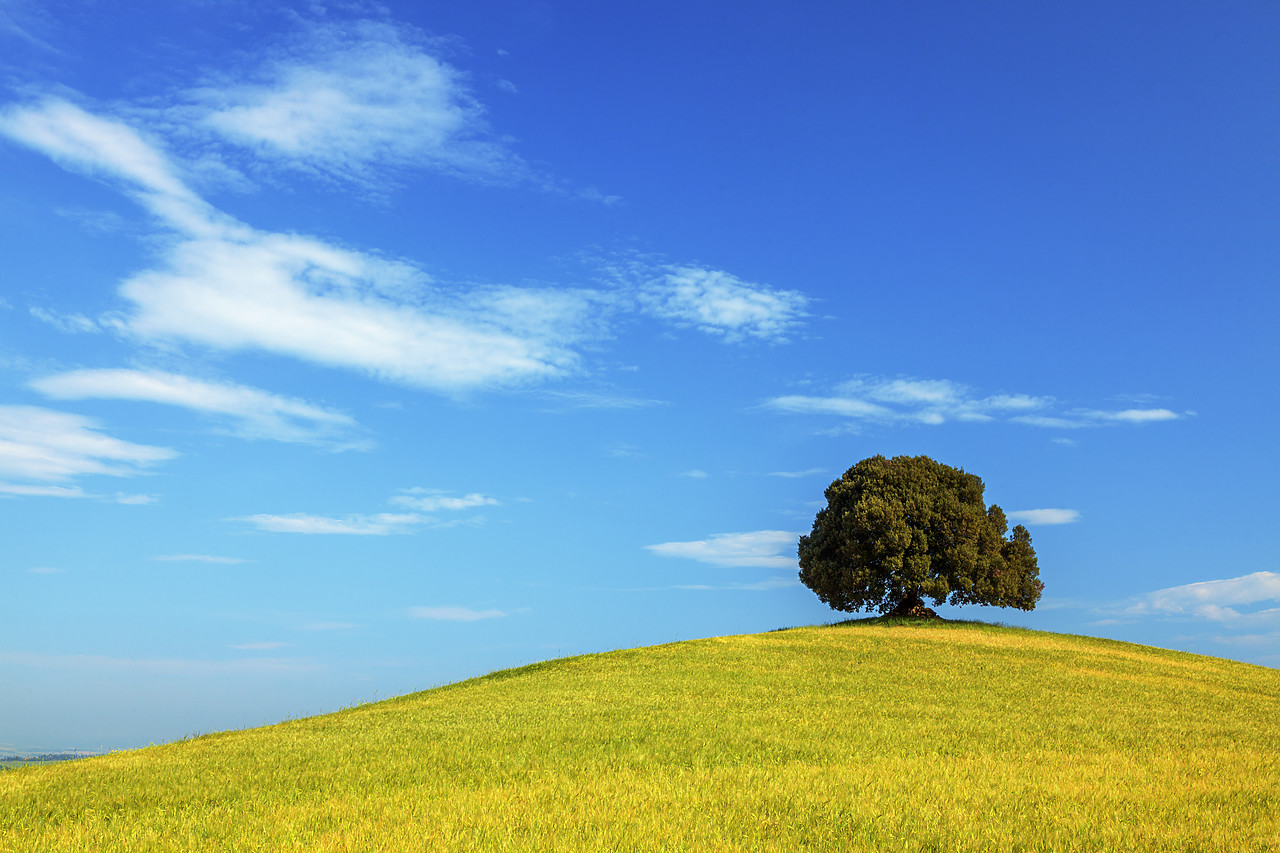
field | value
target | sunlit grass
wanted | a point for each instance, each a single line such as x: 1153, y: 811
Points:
x: 861, y: 736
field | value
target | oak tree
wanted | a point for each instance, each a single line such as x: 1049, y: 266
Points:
x: 897, y: 531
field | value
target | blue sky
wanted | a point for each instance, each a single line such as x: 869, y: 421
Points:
x: 351, y: 350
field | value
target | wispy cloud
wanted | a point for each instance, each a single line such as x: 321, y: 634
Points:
x: 101, y: 147
x: 454, y: 614
x: 69, y: 323
x: 422, y: 501
x: 773, y: 549
x: 1043, y: 516
x: 303, y: 299
x: 30, y: 490
x: 378, y: 524
x: 255, y: 413
x: 42, y: 448
x: 434, y: 500
x: 719, y: 303
x: 694, y: 474
x: 623, y: 450
x: 1215, y: 600
x: 596, y: 400
x: 199, y: 558
x: 904, y: 400
x: 133, y: 500
x: 190, y: 668
x: 794, y: 475
x: 1082, y: 418
x: 226, y: 285
x: 45, y: 491
x: 352, y: 101
x: 758, y: 586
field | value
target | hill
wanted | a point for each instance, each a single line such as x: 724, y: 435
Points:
x: 864, y: 735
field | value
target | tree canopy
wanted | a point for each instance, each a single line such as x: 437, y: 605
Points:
x: 897, y: 531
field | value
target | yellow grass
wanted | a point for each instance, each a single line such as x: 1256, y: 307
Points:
x: 863, y: 736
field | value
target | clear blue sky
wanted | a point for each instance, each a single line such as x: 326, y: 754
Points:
x: 350, y: 352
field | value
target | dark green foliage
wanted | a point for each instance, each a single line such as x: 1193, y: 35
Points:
x: 897, y: 531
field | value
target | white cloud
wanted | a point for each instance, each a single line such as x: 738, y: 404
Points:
x: 101, y: 147
x: 198, y: 558
x: 904, y: 400
x: 761, y: 549
x: 354, y: 97
x: 886, y: 400
x: 758, y: 586
x: 133, y: 500
x: 1214, y: 600
x: 258, y: 414
x: 842, y: 406
x: 794, y: 475
x: 1269, y: 640
x: 42, y: 491
x: 228, y: 286
x: 41, y: 446
x: 1050, y: 422
x: 188, y: 668
x: 694, y: 474
x: 623, y: 450
x: 300, y: 298
x: 719, y: 303
x: 431, y: 500
x: 69, y: 323
x: 454, y: 614
x: 1135, y: 416
x: 1082, y: 418
x: 593, y: 400
x: 379, y: 524
x: 1043, y: 516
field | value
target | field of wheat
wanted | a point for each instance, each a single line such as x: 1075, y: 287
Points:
x: 859, y: 736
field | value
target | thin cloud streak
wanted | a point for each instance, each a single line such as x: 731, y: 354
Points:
x: 894, y: 401
x: 378, y: 524
x: 44, y: 446
x: 1214, y: 600
x: 258, y: 414
x: 1085, y: 418
x: 758, y: 586
x: 795, y: 475
x: 454, y: 614
x: 1044, y: 516
x: 758, y: 549
x: 199, y: 558
x: 424, y: 501
x: 188, y: 668
x: 431, y: 500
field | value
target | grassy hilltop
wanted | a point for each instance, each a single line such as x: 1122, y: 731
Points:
x: 862, y: 736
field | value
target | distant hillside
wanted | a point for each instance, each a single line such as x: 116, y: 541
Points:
x: 861, y: 736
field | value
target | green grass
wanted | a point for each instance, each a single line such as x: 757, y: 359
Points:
x: 860, y: 736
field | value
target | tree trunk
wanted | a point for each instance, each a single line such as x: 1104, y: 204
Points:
x: 913, y: 607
